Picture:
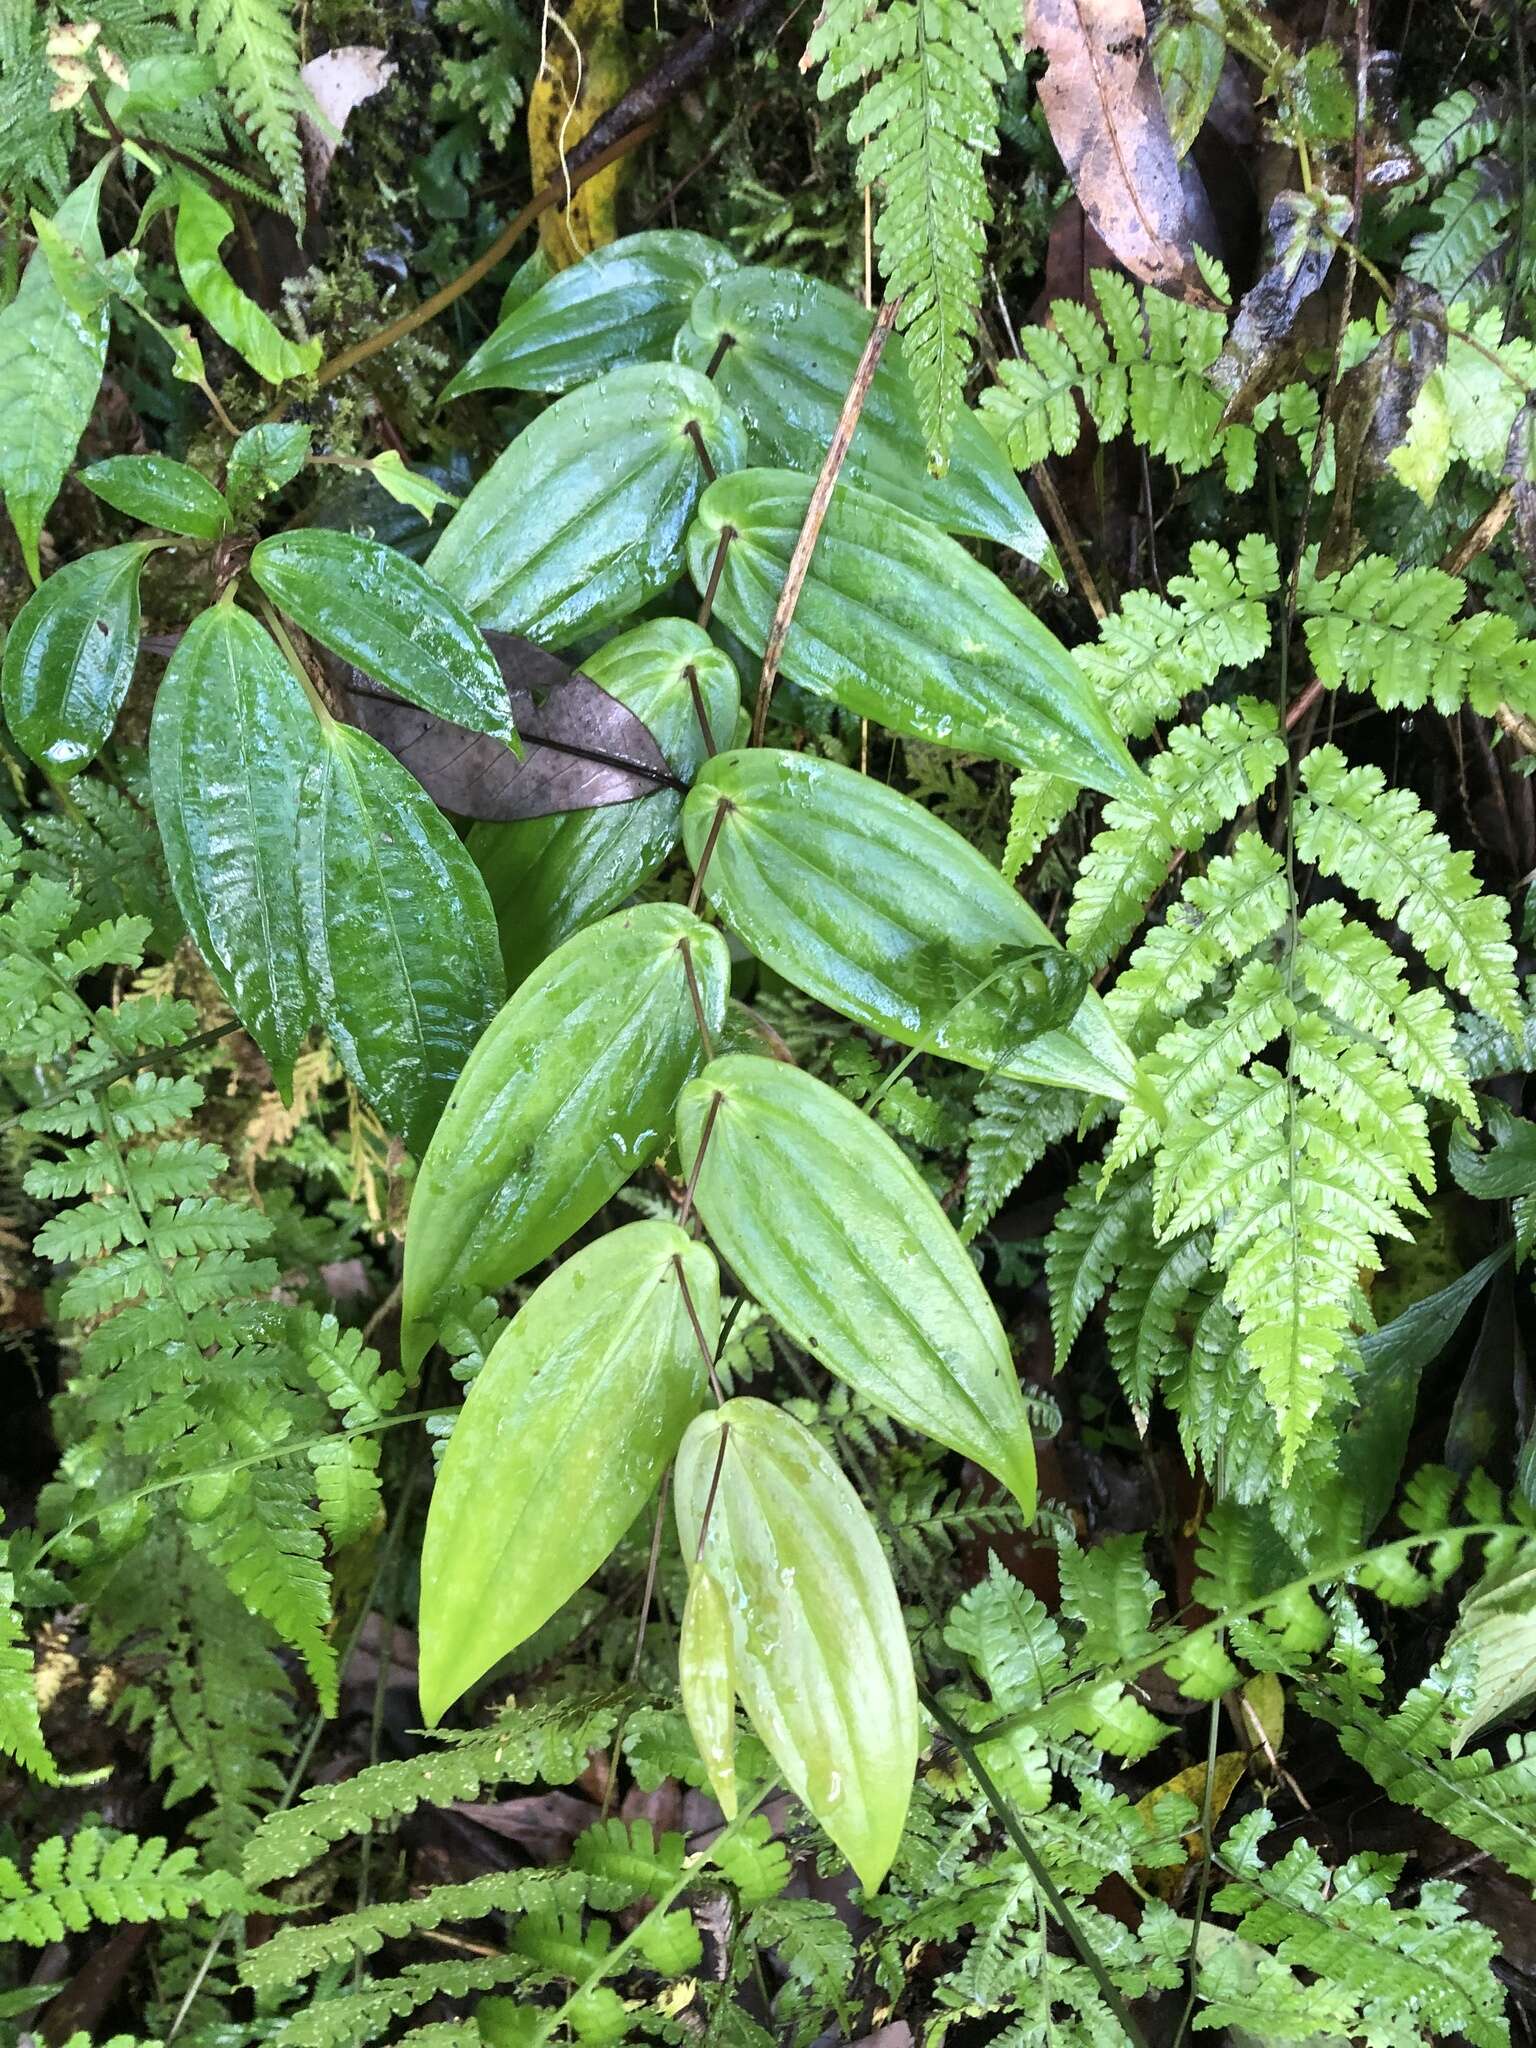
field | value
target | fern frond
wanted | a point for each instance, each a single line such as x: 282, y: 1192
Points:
x: 1454, y: 130
x: 1015, y: 1126
x: 1463, y: 256
x: 1094, y: 1232
x: 21, y: 1728
x: 1379, y: 843
x: 254, y: 44
x: 92, y: 1877
x: 1397, y: 635
x: 929, y: 73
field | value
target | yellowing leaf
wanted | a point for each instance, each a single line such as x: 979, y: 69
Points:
x: 1190, y: 1784
x: 586, y: 70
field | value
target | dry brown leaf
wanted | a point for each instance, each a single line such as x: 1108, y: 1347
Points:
x: 1106, y: 117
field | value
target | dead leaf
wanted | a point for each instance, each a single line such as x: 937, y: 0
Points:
x: 1106, y: 117
x: 1262, y: 340
x: 1190, y: 1784
x: 338, y: 82
x: 582, y: 748
x: 585, y: 70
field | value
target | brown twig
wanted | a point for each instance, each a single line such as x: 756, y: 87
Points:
x: 816, y: 511
x: 715, y: 824
x: 698, y: 1331
x: 722, y: 548
x: 698, y: 1159
x: 1056, y: 512
x: 696, y: 999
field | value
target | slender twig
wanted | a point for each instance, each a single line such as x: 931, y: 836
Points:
x: 1202, y: 1890
x: 816, y: 511
x: 698, y: 1330
x: 696, y: 435
x: 714, y: 1488
x: 700, y: 709
x: 1056, y: 512
x: 698, y: 1163
x: 123, y: 1068
x: 722, y: 548
x: 707, y: 854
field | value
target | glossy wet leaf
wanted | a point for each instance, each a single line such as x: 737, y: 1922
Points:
x: 821, y: 1657
x: 1188, y: 50
x: 264, y: 459
x: 898, y: 623
x: 582, y: 518
x: 824, y: 1219
x: 159, y: 492
x: 564, y: 1435
x: 868, y: 902
x: 380, y: 610
x: 202, y: 227
x: 794, y: 345
x: 580, y: 747
x: 51, y: 359
x: 399, y: 936
x: 232, y: 741
x: 706, y: 1670
x: 549, y: 876
x: 570, y: 1091
x: 622, y: 304
x: 69, y: 658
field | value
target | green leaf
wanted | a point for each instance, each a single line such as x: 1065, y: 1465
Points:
x: 570, y: 1091
x: 821, y: 1656
x: 868, y: 902
x: 69, y: 658
x: 202, y: 227
x: 622, y: 304
x: 398, y: 931
x: 564, y: 1435
x: 582, y: 519
x: 264, y: 459
x: 899, y: 624
x: 706, y: 1669
x: 159, y: 492
x: 830, y: 1226
x: 792, y: 346
x: 1188, y: 50
x: 232, y: 741
x: 408, y: 486
x: 51, y: 360
x: 381, y: 611
x: 548, y: 877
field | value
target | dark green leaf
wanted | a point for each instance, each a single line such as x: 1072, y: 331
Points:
x: 868, y: 902
x: 51, y: 359
x: 159, y: 492
x: 794, y: 345
x: 829, y: 1225
x: 262, y: 461
x: 70, y: 655
x: 549, y: 876
x: 565, y: 1433
x: 381, y: 611
x: 570, y: 1091
x: 399, y: 935
x: 232, y: 741
x: 1507, y: 1169
x: 582, y: 519
x: 898, y: 623
x: 820, y: 1649
x: 202, y: 227
x: 622, y: 304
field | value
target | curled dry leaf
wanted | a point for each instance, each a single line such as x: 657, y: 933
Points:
x: 1106, y: 117
x: 581, y: 748
x: 338, y: 82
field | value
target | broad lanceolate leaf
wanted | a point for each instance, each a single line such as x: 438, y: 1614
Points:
x: 380, y: 610
x: 871, y: 904
x: 622, y: 304
x: 582, y: 519
x: 398, y: 932
x: 202, y: 227
x: 821, y: 1656
x: 70, y: 655
x: 564, y: 1435
x: 569, y: 1092
x: 549, y: 876
x: 898, y: 623
x: 159, y: 492
x: 264, y: 458
x: 232, y: 740
x: 792, y: 345
x: 830, y: 1226
x: 51, y: 359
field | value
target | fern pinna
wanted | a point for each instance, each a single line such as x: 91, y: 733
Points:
x: 192, y: 1376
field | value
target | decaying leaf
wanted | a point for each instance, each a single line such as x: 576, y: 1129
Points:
x: 1303, y: 235
x: 338, y: 82
x: 1106, y: 117
x: 584, y: 70
x: 582, y: 748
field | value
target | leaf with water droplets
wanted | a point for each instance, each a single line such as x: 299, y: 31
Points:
x: 865, y: 900
x: 398, y: 931
x: 826, y: 1221
x: 160, y: 492
x: 564, y: 1435
x: 69, y: 658
x: 382, y: 612
x: 819, y: 1646
x: 570, y: 1091
x: 232, y: 741
x: 582, y: 519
